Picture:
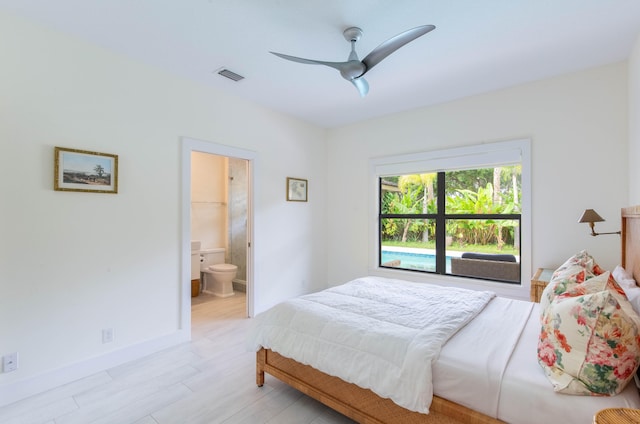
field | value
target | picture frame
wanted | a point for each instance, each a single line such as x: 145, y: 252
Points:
x: 297, y: 189
x: 85, y: 171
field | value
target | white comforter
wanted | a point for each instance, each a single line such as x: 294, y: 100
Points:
x: 378, y: 333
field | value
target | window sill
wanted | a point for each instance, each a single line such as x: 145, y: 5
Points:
x: 509, y: 290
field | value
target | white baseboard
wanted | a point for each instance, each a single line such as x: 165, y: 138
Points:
x: 13, y: 392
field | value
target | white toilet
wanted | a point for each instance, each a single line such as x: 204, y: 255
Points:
x: 218, y: 276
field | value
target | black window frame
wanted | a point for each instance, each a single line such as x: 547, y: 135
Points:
x: 440, y: 218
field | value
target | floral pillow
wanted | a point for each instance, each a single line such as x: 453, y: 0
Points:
x: 590, y: 339
x: 604, y: 281
x: 576, y: 269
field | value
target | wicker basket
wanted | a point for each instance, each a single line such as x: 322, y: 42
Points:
x: 617, y: 416
x: 195, y: 287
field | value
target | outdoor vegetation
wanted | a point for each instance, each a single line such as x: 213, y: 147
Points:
x: 487, y: 191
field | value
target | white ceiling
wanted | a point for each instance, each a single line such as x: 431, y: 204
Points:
x: 477, y: 46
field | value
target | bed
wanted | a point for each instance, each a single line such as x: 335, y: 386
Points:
x: 500, y: 382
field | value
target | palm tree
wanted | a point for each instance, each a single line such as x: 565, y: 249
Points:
x: 406, y: 204
x: 515, y: 171
x: 497, y: 173
x: 425, y: 183
x: 497, y: 200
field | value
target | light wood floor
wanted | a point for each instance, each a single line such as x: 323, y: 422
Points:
x: 208, y: 380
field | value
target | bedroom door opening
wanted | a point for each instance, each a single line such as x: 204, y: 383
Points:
x: 217, y: 211
x: 219, y: 204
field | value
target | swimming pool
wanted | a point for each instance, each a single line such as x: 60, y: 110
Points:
x: 414, y: 260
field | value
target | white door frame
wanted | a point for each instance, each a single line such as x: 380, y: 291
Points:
x: 192, y: 145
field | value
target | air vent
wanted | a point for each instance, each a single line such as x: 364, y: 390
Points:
x: 229, y: 74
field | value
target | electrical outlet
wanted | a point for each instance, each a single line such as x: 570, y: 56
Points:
x: 10, y: 362
x: 107, y: 335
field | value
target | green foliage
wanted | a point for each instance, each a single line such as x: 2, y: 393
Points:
x: 467, y: 192
x: 400, y: 203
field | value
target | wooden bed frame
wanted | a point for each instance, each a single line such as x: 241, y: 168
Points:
x: 365, y: 407
x: 631, y: 240
x: 361, y: 405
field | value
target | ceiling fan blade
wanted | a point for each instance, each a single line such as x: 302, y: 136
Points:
x: 336, y: 65
x: 354, y: 69
x: 362, y: 85
x: 393, y: 44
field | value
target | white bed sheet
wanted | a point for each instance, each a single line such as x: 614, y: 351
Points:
x: 490, y: 366
x: 471, y: 365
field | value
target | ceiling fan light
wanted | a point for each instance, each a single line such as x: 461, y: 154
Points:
x: 352, y: 70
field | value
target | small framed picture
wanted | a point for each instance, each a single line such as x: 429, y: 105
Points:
x: 82, y: 170
x: 296, y: 190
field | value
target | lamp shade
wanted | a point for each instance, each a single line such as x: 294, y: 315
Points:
x: 590, y: 215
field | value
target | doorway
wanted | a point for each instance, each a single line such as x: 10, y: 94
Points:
x: 233, y: 154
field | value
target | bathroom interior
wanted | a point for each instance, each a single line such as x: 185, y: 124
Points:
x: 219, y: 210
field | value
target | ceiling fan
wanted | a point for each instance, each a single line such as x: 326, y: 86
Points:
x: 353, y: 69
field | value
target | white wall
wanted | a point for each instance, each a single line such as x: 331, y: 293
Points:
x: 578, y: 129
x: 634, y: 124
x: 72, y: 264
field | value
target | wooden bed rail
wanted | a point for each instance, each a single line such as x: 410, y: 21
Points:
x: 361, y: 405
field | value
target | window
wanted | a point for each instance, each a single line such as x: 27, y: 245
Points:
x: 457, y: 212
x: 465, y: 223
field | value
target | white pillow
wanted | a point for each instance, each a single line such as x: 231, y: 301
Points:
x: 623, y: 277
x: 629, y: 286
x: 633, y: 294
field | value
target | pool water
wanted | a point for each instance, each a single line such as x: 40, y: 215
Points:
x: 417, y: 261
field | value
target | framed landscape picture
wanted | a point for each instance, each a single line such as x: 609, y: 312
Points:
x: 82, y: 170
x: 296, y: 190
